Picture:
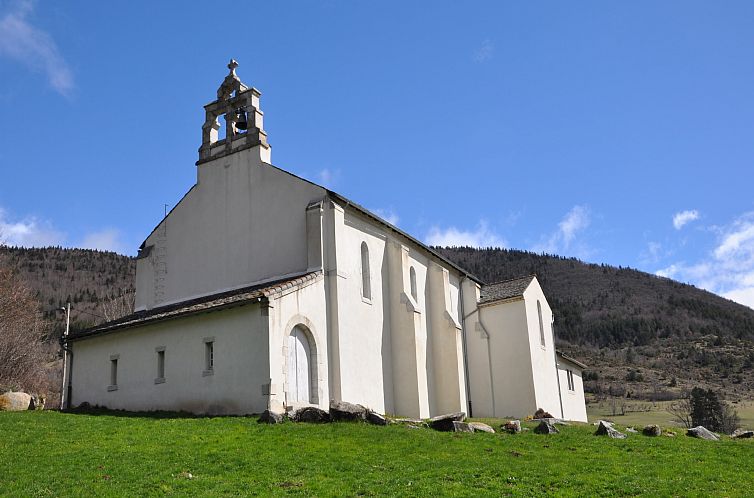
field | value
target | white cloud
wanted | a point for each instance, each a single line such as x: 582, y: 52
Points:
x: 683, y: 217
x: 485, y: 52
x: 104, y: 240
x: 482, y: 236
x: 574, y: 222
x: 28, y: 232
x: 32, y: 47
x: 668, y: 272
x: 328, y: 177
x: 729, y: 268
x: 388, y: 215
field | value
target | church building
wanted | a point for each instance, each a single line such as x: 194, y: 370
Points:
x: 262, y: 290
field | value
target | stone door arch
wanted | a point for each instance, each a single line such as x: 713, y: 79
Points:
x: 301, y: 367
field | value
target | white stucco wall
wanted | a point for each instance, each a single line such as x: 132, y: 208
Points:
x: 544, y: 367
x: 241, y: 365
x: 512, y: 376
x: 245, y: 221
x: 574, y: 406
x: 363, y: 322
x: 299, y: 307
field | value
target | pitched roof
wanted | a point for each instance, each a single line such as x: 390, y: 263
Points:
x: 204, y: 304
x: 567, y: 358
x: 348, y: 203
x: 506, y: 289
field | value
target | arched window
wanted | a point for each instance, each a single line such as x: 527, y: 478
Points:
x: 541, y: 324
x: 366, y: 281
x: 412, y: 277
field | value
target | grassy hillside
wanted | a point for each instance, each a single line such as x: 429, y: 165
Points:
x: 54, y: 454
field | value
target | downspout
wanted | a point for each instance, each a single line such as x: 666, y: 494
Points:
x: 557, y: 370
x: 489, y: 356
x: 465, y: 353
x: 489, y: 363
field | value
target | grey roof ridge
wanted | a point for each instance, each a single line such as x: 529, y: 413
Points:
x: 571, y: 359
x: 505, y: 281
x: 200, y: 305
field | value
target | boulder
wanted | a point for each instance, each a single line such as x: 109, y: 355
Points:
x: 631, y: 430
x: 37, y: 403
x: 462, y: 427
x: 270, y: 417
x: 742, y: 434
x: 408, y: 421
x: 546, y: 427
x: 606, y: 429
x: 652, y: 430
x: 375, y: 418
x: 344, y: 411
x: 15, y: 402
x: 512, y: 426
x: 445, y: 422
x: 310, y: 414
x: 670, y: 434
x: 479, y: 426
x: 702, y: 433
x: 540, y: 413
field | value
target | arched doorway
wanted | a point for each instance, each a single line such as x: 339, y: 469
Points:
x: 299, y: 366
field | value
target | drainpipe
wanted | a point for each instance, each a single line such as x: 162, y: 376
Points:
x: 489, y: 363
x: 467, y: 386
x: 489, y: 356
x: 557, y: 370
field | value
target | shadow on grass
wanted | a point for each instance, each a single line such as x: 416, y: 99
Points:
x: 158, y: 414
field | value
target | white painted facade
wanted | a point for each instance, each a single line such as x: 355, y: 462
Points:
x: 344, y: 306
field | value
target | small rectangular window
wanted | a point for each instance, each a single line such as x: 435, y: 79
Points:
x: 209, y: 355
x: 160, y: 365
x: 571, y: 386
x: 114, y: 372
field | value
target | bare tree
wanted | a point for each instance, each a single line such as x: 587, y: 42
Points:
x: 118, y: 306
x: 681, y: 410
x: 23, y: 352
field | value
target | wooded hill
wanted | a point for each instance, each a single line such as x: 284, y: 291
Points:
x: 83, y: 277
x: 641, y: 335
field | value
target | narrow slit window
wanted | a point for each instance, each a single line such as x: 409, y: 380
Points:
x: 570, y: 380
x: 541, y: 325
x: 209, y: 356
x: 114, y: 372
x: 160, y: 366
x: 412, y: 277
x: 366, y: 280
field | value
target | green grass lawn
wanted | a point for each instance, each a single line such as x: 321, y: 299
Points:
x: 657, y: 413
x: 54, y: 454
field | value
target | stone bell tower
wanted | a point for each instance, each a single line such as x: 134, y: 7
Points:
x: 238, y: 106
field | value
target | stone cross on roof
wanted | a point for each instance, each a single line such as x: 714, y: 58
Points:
x: 232, y: 65
x: 231, y: 84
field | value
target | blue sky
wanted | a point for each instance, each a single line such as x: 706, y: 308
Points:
x: 616, y: 132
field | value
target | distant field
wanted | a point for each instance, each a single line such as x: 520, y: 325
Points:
x: 54, y: 454
x: 657, y: 413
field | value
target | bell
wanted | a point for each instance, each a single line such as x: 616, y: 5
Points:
x: 241, y: 122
